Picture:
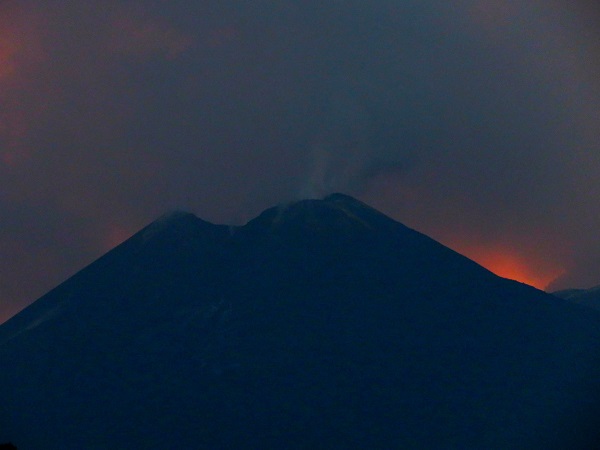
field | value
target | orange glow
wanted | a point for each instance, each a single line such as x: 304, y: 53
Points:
x: 115, y: 236
x: 508, y: 263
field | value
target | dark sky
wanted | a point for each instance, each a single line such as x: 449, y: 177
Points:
x: 474, y: 121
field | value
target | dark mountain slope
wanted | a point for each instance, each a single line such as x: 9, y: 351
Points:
x: 319, y: 324
x: 587, y: 297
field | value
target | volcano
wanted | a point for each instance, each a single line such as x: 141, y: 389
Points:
x: 318, y: 324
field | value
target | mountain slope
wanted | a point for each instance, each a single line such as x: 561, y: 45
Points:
x: 587, y: 297
x: 323, y: 323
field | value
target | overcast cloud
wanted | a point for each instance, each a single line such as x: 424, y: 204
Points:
x: 475, y: 122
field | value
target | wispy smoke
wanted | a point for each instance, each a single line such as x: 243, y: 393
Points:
x: 348, y: 149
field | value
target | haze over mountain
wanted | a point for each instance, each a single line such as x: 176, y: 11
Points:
x: 322, y: 323
x: 474, y: 121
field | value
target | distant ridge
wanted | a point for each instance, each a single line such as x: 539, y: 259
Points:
x: 318, y: 324
x: 587, y: 297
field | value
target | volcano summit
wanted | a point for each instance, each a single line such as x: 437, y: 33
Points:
x: 321, y: 324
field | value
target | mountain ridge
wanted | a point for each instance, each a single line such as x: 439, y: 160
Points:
x: 318, y: 323
x: 589, y: 298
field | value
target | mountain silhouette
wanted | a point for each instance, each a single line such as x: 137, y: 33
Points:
x: 588, y: 297
x: 319, y: 324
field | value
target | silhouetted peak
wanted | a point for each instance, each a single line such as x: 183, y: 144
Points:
x: 176, y: 215
x: 352, y: 325
x: 336, y: 213
x: 350, y: 205
x: 175, y: 223
x: 344, y: 199
x: 173, y: 218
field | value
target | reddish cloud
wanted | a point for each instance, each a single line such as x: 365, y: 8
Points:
x: 115, y: 235
x: 9, y: 49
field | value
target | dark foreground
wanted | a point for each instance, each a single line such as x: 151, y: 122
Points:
x: 324, y: 324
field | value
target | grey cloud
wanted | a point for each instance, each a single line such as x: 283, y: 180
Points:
x: 473, y: 119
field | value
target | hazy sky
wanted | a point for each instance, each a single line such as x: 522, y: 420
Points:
x: 474, y: 121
